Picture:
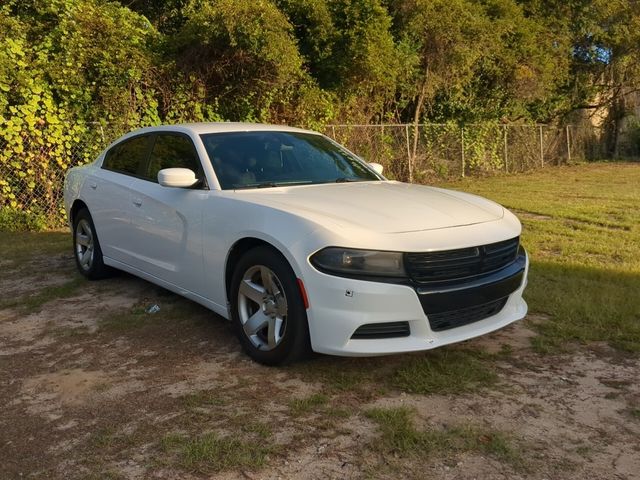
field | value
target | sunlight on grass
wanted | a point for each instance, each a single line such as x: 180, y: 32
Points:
x: 581, y: 227
x: 586, y: 304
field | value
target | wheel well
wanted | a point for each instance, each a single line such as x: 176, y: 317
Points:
x: 75, y: 208
x: 235, y: 254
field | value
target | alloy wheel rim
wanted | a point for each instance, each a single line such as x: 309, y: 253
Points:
x: 84, y: 245
x: 262, y: 307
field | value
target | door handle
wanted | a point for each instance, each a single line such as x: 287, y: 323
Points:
x: 93, y: 185
x: 137, y: 202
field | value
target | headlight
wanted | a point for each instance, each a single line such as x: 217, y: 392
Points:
x: 359, y: 262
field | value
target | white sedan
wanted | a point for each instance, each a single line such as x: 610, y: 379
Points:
x: 297, y: 241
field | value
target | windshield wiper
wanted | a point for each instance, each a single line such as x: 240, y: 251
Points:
x: 346, y: 179
x: 271, y: 184
x: 255, y: 185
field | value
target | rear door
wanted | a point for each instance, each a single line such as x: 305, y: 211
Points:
x: 168, y: 221
x: 110, y: 194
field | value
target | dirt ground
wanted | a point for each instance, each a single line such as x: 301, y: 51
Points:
x: 94, y: 387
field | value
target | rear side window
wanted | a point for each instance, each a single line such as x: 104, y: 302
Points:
x: 172, y: 151
x: 129, y: 156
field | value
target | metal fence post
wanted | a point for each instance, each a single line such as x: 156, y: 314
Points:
x: 568, y: 145
x: 333, y: 131
x: 541, y: 149
x: 462, y: 150
x: 506, y: 165
x: 410, y: 167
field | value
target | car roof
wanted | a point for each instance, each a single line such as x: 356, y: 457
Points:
x: 221, y: 127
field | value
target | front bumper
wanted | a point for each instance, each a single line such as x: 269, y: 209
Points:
x: 338, y: 306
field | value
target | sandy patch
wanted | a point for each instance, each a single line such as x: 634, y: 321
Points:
x: 516, y: 336
x: 68, y: 387
x: 562, y: 409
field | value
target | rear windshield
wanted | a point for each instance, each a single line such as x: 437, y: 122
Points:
x: 271, y: 159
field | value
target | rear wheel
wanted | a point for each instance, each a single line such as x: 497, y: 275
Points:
x: 267, y: 308
x: 86, y: 247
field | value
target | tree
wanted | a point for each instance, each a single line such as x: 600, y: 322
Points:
x: 603, y: 37
x: 241, y: 53
x: 349, y: 50
x: 476, y: 60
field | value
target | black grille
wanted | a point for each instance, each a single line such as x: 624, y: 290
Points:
x: 465, y: 316
x: 382, y: 330
x: 462, y: 263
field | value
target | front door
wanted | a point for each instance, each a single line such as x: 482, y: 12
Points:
x: 166, y: 221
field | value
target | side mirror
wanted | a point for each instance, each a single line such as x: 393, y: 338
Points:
x: 177, y: 177
x: 376, y: 167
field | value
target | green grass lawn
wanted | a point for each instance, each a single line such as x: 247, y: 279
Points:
x: 581, y: 227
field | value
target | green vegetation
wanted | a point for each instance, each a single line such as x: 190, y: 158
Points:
x: 581, y: 229
x: 75, y: 74
x: 260, y: 429
x: 34, y: 303
x: 301, y: 406
x: 108, y: 439
x: 400, y: 437
x: 211, y: 453
x: 451, y: 369
x: 444, y: 371
x: 174, y: 310
x: 16, y: 248
x: 363, y: 377
x: 133, y: 318
x: 19, y: 249
x: 15, y: 220
x: 202, y: 399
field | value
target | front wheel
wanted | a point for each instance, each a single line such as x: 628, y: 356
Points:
x: 267, y: 308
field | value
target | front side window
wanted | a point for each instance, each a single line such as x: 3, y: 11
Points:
x: 269, y: 159
x: 172, y: 151
x: 129, y: 157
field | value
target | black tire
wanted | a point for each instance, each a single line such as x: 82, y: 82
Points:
x: 294, y: 341
x: 93, y: 268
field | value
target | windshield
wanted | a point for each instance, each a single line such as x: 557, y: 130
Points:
x: 272, y: 159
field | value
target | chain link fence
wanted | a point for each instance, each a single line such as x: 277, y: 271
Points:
x: 428, y: 152
x: 32, y: 177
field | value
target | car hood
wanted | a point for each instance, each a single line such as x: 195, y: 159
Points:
x: 381, y: 207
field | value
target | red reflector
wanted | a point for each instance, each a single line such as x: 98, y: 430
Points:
x: 303, y: 292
